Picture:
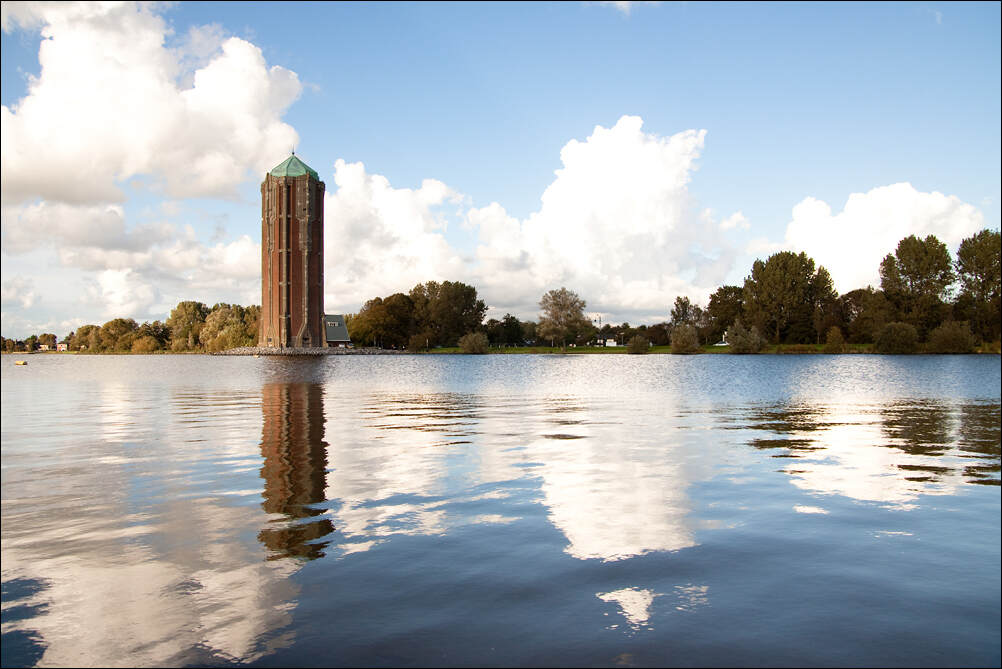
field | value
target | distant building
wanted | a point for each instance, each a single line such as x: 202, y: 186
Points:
x: 62, y: 346
x: 292, y: 257
x: 336, y: 330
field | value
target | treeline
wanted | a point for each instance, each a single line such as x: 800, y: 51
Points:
x: 927, y: 300
x: 192, y: 326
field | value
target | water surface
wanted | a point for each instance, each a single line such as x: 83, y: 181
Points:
x: 501, y: 510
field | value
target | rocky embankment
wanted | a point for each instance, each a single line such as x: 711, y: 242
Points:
x: 257, y: 350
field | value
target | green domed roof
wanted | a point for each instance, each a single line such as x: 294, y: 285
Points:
x: 294, y: 167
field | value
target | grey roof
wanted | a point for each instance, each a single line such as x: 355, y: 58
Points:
x: 335, y: 328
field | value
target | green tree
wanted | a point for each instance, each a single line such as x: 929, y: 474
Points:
x: 826, y: 305
x: 659, y: 334
x: 118, y: 334
x: 684, y: 311
x: 86, y: 338
x: 159, y: 331
x: 951, y: 337
x: 684, y: 339
x: 225, y: 328
x: 922, y: 266
x: 252, y: 323
x: 744, y: 340
x: 915, y: 279
x: 979, y: 268
x: 897, y: 337
x: 834, y: 341
x: 529, y: 332
x: 185, y: 323
x: 48, y: 339
x: 447, y: 310
x: 562, y: 316
x: 724, y: 308
x: 782, y: 295
x: 865, y: 311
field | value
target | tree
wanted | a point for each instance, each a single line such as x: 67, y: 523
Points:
x: 826, y: 305
x: 86, y: 338
x: 529, y: 332
x: 915, y: 279
x: 226, y: 327
x: 185, y: 323
x: 865, y: 312
x: 659, y: 334
x: 723, y: 309
x: 979, y: 268
x: 782, y: 295
x: 951, y: 337
x: 684, y: 311
x: 562, y: 316
x: 834, y: 342
x: 447, y: 310
x: 923, y: 267
x: 744, y: 340
x: 897, y: 337
x: 47, y: 338
x: 159, y: 331
x: 117, y: 334
x: 684, y: 339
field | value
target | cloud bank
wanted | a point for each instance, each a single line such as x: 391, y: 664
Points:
x: 851, y: 243
x: 616, y: 225
x: 111, y: 104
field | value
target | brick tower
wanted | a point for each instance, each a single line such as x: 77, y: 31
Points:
x: 292, y: 257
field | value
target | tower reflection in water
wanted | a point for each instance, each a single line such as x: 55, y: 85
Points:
x: 294, y: 471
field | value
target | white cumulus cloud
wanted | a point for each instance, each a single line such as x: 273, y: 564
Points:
x: 380, y: 240
x: 616, y: 225
x: 138, y: 108
x: 852, y: 242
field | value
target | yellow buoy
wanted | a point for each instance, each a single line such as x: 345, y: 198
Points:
x: 20, y: 362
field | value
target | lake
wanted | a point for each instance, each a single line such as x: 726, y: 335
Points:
x: 552, y: 510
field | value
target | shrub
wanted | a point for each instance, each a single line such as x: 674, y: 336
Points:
x: 418, y: 342
x: 897, y: 338
x: 638, y: 344
x: 473, y: 342
x: 744, y: 340
x: 145, y: 344
x: 684, y: 339
x: 835, y: 343
x: 952, y: 337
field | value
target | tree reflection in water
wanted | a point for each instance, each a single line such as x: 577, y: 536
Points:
x: 295, y: 469
x: 890, y: 453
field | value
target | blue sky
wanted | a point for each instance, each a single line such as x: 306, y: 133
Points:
x: 835, y: 129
